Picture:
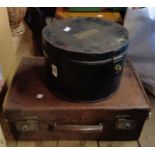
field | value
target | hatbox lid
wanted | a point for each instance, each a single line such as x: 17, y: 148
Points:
x: 86, y: 35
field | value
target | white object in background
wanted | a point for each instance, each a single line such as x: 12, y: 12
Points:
x: 141, y: 26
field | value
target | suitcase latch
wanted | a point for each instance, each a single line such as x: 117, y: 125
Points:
x: 125, y: 124
x: 27, y: 125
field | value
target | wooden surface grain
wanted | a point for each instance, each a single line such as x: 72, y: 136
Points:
x: 47, y: 143
x: 147, y: 137
x: 77, y: 143
x: 118, y: 144
x: 26, y: 144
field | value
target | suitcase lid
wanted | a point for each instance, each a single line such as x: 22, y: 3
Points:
x: 85, y: 38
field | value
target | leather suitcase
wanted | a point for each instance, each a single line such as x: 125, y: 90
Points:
x: 33, y: 112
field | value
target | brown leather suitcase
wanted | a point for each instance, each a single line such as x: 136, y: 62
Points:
x: 33, y: 112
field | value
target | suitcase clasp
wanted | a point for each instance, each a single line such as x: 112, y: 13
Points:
x: 27, y: 124
x: 125, y: 123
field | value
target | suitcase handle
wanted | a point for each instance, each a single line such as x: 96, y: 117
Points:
x: 78, y: 128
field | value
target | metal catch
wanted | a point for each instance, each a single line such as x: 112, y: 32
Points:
x: 27, y: 125
x: 125, y: 124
